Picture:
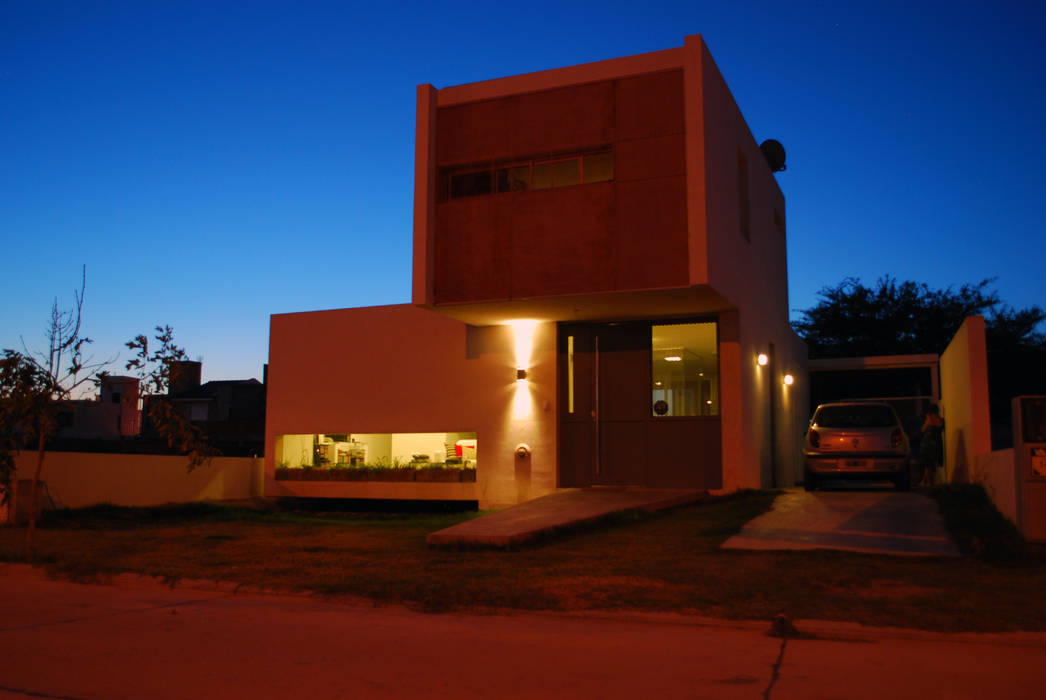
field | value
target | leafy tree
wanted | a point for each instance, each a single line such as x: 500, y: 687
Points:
x: 32, y: 387
x: 157, y: 369
x: 25, y: 411
x: 901, y: 318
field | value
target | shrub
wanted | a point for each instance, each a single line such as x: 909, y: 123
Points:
x: 976, y: 524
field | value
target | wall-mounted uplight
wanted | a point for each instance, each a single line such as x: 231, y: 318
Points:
x: 763, y: 359
x: 789, y: 380
x: 523, y: 336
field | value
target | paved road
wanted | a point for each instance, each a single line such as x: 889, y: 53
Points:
x: 857, y: 518
x: 140, y: 640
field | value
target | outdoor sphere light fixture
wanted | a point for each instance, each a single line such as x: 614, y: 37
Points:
x: 789, y: 380
x: 762, y: 359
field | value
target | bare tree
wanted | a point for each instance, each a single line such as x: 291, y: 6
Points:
x: 33, y: 386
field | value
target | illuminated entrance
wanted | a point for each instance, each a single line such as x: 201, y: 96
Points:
x: 639, y: 404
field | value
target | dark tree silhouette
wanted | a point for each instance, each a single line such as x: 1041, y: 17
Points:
x: 157, y: 369
x: 904, y: 318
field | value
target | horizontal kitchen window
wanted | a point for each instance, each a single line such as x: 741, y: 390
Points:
x: 537, y: 173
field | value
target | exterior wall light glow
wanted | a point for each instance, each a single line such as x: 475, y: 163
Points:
x: 523, y: 334
x: 789, y: 380
x: 673, y: 358
x: 763, y: 359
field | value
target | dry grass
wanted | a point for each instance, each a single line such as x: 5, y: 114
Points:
x: 667, y: 562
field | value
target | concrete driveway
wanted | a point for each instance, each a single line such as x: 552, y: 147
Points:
x: 864, y: 518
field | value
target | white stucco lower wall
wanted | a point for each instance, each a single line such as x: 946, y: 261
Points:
x: 404, y: 369
x: 964, y: 400
x: 997, y: 472
x: 763, y: 418
x: 79, y: 479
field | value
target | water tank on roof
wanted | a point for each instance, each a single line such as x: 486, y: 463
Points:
x: 185, y: 376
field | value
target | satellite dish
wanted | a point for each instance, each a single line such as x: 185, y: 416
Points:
x: 774, y: 153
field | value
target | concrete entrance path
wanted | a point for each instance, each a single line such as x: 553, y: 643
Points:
x: 868, y: 519
x: 564, y: 508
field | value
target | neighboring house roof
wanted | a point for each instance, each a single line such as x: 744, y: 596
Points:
x: 209, y: 390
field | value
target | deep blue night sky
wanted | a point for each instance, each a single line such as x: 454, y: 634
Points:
x: 213, y: 163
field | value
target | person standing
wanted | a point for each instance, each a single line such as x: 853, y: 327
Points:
x: 931, y: 449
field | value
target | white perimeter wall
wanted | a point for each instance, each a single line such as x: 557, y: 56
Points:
x: 997, y: 472
x: 78, y: 479
x: 964, y: 400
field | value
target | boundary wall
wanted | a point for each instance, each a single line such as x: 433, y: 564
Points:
x: 79, y: 479
x: 964, y: 401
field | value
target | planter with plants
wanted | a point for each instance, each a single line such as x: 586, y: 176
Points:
x: 429, y: 473
x: 288, y: 474
x: 398, y: 474
x: 438, y: 473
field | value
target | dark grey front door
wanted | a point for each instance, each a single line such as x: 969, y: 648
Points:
x: 609, y: 432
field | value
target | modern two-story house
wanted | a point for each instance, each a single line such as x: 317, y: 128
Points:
x: 599, y: 299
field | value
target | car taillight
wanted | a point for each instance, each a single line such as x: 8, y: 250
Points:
x: 896, y: 437
x: 815, y: 438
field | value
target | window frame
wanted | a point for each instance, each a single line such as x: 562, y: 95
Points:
x: 718, y: 378
x: 447, y: 174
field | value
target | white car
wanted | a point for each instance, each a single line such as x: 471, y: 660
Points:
x: 856, y: 440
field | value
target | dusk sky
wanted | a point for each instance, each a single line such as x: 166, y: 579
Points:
x: 213, y: 163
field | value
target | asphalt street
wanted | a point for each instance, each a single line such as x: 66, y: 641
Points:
x: 140, y: 639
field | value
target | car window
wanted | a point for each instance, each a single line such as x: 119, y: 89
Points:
x: 857, y: 416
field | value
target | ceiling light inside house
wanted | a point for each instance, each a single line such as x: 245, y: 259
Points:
x: 673, y: 358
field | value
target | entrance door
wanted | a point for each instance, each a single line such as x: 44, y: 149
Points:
x: 606, y: 376
x: 616, y: 426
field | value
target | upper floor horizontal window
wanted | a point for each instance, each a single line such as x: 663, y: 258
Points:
x: 540, y: 173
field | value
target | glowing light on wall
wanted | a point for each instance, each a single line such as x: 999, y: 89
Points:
x: 789, y: 380
x: 523, y: 331
x: 521, y: 403
x: 763, y: 359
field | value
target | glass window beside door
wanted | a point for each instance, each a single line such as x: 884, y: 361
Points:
x: 685, y: 370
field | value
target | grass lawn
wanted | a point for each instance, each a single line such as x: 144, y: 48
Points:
x: 664, y: 562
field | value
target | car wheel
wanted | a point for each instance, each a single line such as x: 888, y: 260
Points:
x: 904, y: 481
